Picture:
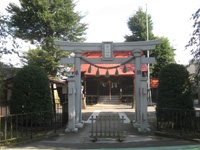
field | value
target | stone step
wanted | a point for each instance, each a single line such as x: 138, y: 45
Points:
x: 110, y: 102
x: 115, y: 99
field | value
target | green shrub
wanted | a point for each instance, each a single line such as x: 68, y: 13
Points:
x: 31, y: 91
x: 174, y: 99
x: 174, y: 89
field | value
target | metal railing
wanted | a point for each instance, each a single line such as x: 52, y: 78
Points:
x: 180, y: 121
x: 27, y: 125
x: 107, y: 127
x: 61, y: 110
x: 30, y: 125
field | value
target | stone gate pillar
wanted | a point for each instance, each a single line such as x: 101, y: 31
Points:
x: 143, y: 107
x: 77, y: 75
x: 71, y: 106
x: 138, y: 75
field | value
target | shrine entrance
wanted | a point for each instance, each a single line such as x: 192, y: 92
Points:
x: 108, y: 87
x: 112, y: 90
x: 105, y: 88
x: 108, y: 62
x: 109, y: 91
x: 111, y: 86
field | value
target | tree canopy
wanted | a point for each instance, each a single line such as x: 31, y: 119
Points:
x: 8, y: 44
x: 40, y: 57
x: 194, y: 42
x: 164, y: 53
x: 138, y: 28
x: 42, y: 21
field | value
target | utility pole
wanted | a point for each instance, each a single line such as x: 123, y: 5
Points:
x: 148, y: 65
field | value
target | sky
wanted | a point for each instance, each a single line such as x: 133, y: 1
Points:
x: 107, y: 20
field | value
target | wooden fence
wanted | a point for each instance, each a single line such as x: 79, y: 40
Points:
x: 107, y: 127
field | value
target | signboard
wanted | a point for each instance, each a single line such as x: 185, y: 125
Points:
x: 107, y: 51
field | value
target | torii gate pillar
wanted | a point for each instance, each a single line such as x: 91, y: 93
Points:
x: 77, y: 75
x: 71, y: 106
x: 143, y: 120
x: 138, y: 75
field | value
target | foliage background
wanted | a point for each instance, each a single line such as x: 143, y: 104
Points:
x: 41, y: 22
x: 164, y: 52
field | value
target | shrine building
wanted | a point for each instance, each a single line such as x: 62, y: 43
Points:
x: 109, y: 86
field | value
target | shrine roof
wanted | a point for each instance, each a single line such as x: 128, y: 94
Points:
x: 102, y: 72
x: 116, y: 54
x: 56, y: 81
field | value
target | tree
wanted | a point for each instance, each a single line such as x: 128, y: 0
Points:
x: 194, y: 42
x: 42, y: 58
x: 164, y: 53
x: 174, y: 88
x: 137, y: 25
x: 8, y: 45
x: 42, y: 21
x: 31, y: 91
x: 6, y: 34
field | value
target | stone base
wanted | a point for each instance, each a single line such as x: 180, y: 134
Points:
x: 145, y: 130
x: 141, y: 127
x: 79, y: 125
x: 136, y: 125
x: 67, y: 130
